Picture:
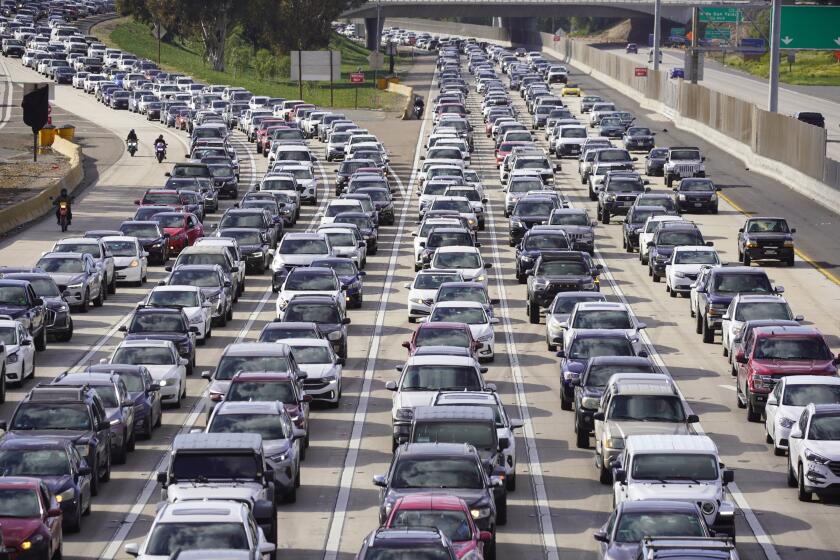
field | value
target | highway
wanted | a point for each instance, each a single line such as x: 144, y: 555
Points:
x: 559, y: 501
x: 750, y: 88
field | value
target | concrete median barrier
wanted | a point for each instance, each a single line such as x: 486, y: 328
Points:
x: 40, y: 204
x: 404, y: 91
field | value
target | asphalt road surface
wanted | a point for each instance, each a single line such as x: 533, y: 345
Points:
x: 559, y: 501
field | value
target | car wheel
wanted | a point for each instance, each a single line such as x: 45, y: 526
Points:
x: 132, y: 442
x: 112, y: 285
x: 85, y: 305
x: 147, y: 426
x: 291, y: 495
x: 122, y: 452
x: 551, y: 347
x: 510, y: 483
x: 791, y: 479
x: 501, y: 511
x: 803, y: 495
x: 3, y: 385
x: 229, y: 316
x: 605, y: 476
x: 75, y: 525
x: 94, y: 479
x: 753, y: 415
x: 778, y: 451
x: 654, y: 276
x: 106, y: 476
x: 725, y: 348
x: 534, y: 313
x: 581, y: 437
x: 671, y: 292
x: 100, y: 299
x: 708, y: 333
x: 41, y: 340
x: 490, y: 549
x: 738, y: 400
x: 790, y: 261
x: 747, y: 260
x: 698, y: 324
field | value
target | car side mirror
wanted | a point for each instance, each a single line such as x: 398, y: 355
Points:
x: 380, y: 480
x: 504, y: 443
x: 620, y: 476
x: 195, y: 330
x: 779, y: 289
x: 600, y: 535
x: 792, y: 230
x: 104, y: 425
x: 345, y: 321
x: 703, y: 158
x: 306, y: 398
x: 227, y: 284
x: 710, y: 243
x: 740, y: 357
x: 795, y: 432
x: 406, y: 345
x: 132, y: 549
x: 728, y: 476
x: 692, y: 419
x: 837, y: 360
x: 154, y: 387
x: 598, y: 416
x: 26, y: 342
x: 123, y: 328
x: 561, y: 354
x: 488, y: 265
x: 391, y: 385
x: 207, y: 374
x: 162, y: 477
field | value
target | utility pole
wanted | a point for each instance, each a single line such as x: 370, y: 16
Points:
x: 657, y: 33
x: 775, y: 35
x: 695, y: 54
x: 378, y: 36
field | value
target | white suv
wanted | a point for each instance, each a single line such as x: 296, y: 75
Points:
x: 788, y: 400
x: 814, y: 451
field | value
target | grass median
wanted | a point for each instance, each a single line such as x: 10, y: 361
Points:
x: 815, y: 68
x: 187, y: 57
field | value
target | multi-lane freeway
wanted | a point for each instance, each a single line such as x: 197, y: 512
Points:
x: 559, y: 501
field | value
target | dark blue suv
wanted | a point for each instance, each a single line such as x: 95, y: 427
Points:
x: 143, y: 392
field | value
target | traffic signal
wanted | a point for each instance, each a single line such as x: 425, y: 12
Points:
x: 36, y: 106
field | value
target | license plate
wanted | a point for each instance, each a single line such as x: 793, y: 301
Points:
x: 770, y: 251
x: 697, y: 205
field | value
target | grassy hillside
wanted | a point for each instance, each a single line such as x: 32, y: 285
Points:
x: 812, y: 68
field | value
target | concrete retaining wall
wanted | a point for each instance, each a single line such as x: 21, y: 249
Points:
x: 408, y: 93
x: 450, y: 28
x: 40, y: 204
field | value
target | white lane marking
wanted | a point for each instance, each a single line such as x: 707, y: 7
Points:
x: 8, y: 102
x: 349, y: 469
x: 728, y: 387
x: 761, y: 535
x: 534, y: 464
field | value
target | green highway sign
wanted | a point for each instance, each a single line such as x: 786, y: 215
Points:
x: 678, y: 32
x: 720, y: 15
x: 810, y: 27
x: 717, y: 33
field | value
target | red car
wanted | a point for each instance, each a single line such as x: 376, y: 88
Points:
x: 160, y: 197
x: 183, y: 229
x: 30, y: 519
x: 266, y: 128
x: 505, y: 148
x: 772, y: 352
x: 441, y: 334
x: 449, y: 514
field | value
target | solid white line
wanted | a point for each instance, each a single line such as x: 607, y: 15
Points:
x: 349, y: 469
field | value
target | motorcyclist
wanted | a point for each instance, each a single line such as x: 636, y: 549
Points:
x: 159, y: 141
x: 132, y: 137
x: 63, y: 197
x: 418, y: 106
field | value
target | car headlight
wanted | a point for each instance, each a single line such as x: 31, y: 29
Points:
x: 329, y: 377
x: 713, y: 198
x: 197, y: 320
x: 279, y: 457
x: 115, y: 421
x: 63, y: 307
x: 486, y: 337
x: 815, y: 457
x: 257, y: 254
x: 30, y: 542
x: 12, y: 358
x: 516, y: 223
x: 134, y: 263
x: 415, y: 300
x: 75, y: 286
x: 681, y: 197
x: 752, y: 244
x: 163, y: 382
x: 334, y: 335
x: 662, y: 258
x: 480, y: 512
x: 590, y: 402
x: 785, y: 422
x: 610, y: 197
x: 479, y: 278
x: 82, y: 448
x: 67, y: 495
x: 788, y: 244
x: 614, y: 443
x: 404, y: 413
x: 588, y: 286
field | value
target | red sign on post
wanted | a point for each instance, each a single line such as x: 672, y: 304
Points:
x: 837, y: 56
x: 357, y: 78
x: 556, y: 38
x: 641, y: 72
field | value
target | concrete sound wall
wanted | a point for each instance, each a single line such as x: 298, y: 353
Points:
x: 40, y: 204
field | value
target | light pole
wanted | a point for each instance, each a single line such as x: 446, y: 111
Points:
x: 775, y: 35
x: 657, y: 39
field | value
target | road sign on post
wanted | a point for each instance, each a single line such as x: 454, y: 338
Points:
x: 357, y: 78
x: 810, y: 27
x: 720, y: 15
x: 36, y: 109
x: 641, y: 72
x: 375, y: 60
x: 723, y: 34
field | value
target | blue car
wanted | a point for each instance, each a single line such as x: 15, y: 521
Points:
x: 677, y: 73
x: 142, y: 391
x: 56, y: 462
x: 350, y: 277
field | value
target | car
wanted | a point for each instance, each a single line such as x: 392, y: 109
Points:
x: 536, y: 241
x: 750, y: 307
x: 274, y: 331
x: 424, y: 287
x: 420, y: 542
x: 55, y: 463
x: 766, y: 238
x: 316, y: 358
x: 350, y: 276
x: 297, y: 249
x: 130, y: 259
x: 695, y: 194
x: 206, y: 524
x: 152, y: 238
x: 685, y: 265
x: 119, y: 410
x: 96, y: 248
x: 214, y: 285
x: 558, y: 271
x: 666, y: 239
x: 772, y: 352
x: 19, y: 361
x: 346, y: 241
x: 676, y: 73
x: 442, y: 236
x: 281, y: 441
x: 631, y: 48
x: 58, y: 318
x: 74, y: 414
x: 366, y: 226
x: 812, y: 451
x: 787, y: 402
x: 682, y: 162
x: 655, y: 161
x: 329, y: 314
x: 196, y: 306
x: 466, y: 260
x: 161, y: 359
x: 660, y: 548
x: 682, y: 467
x: 618, y: 193
x: 570, y: 90
x: 31, y: 518
x: 153, y: 322
x: 632, y: 522
x: 474, y: 315
x: 810, y: 117
x: 310, y: 280
x: 142, y: 391
x: 648, y: 231
x: 182, y: 229
x: 638, y: 138
x: 578, y: 226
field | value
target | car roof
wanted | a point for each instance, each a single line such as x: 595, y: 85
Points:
x: 645, y: 387
x: 786, y: 331
x: 306, y: 342
x: 195, y: 511
x: 248, y: 407
x: 602, y: 305
x: 227, y: 441
x: 256, y: 349
x: 670, y: 442
x: 657, y: 505
x: 762, y: 298
x: 438, y: 449
x: 454, y: 414
x: 274, y: 376
x: 146, y: 342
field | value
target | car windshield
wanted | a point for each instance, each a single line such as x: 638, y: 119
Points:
x: 312, y: 354
x: 291, y: 246
x: 791, y: 348
x: 803, y: 395
x: 34, y: 462
x: 533, y: 208
x: 303, y: 280
x: 569, y: 219
x: 602, y: 319
x: 19, y: 503
x: 532, y: 164
x: 610, y: 121
x: 432, y: 188
x: 337, y: 208
x: 613, y: 156
x: 163, y: 199
x: 414, y: 552
x: 457, y: 260
x: 468, y: 315
x: 573, y: 133
x: 677, y: 238
x: 638, y: 131
x: 462, y: 293
x: 442, y: 337
x: 341, y: 268
x: 269, y: 426
x: 750, y: 311
x: 89, y: 248
x: 675, y: 466
x: 482, y: 435
x: 461, y: 206
x: 145, y: 355
x: 438, y: 377
x: 525, y: 186
x: 44, y: 286
x: 122, y: 248
x: 685, y: 155
x: 175, y: 221
x: 452, y: 523
x: 695, y: 185
x: 742, y: 283
x: 169, y: 538
x: 563, y: 268
x: 634, y: 526
x: 231, y: 365
x: 590, y: 347
x: 825, y: 427
x: 546, y: 241
x: 157, y: 322
x: 281, y: 391
x: 13, y: 295
x: 322, y: 313
x: 624, y: 185
x: 449, y: 239
x: 254, y: 220
x: 199, y: 278
x: 53, y: 416
x: 341, y: 239
x: 563, y: 305
x: 768, y: 226
x: 438, y: 473
x: 599, y: 374
x: 133, y: 382
x: 646, y: 408
x: 248, y: 237
x: 697, y: 257
x: 278, y: 185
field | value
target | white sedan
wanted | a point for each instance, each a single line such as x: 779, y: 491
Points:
x: 466, y: 260
x: 476, y: 318
x: 20, y: 351
x: 131, y: 262
x: 161, y: 358
x: 196, y: 306
x: 422, y: 291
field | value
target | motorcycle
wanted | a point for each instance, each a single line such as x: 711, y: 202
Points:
x: 160, y: 152
x: 418, y: 111
x: 132, y: 147
x: 63, y: 214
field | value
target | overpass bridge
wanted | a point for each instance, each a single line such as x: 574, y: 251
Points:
x: 518, y: 17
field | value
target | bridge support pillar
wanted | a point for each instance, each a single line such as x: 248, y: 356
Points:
x: 521, y: 30
x: 373, y: 32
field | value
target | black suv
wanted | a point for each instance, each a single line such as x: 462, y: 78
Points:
x: 164, y: 323
x: 634, y: 223
x: 619, y: 193
x: 528, y: 212
x: 766, y: 239
x: 559, y: 271
x: 668, y: 236
x: 324, y: 311
x: 346, y: 170
x: 151, y: 236
x: 58, y: 319
x: 422, y: 542
x: 73, y: 413
x: 443, y: 236
x: 696, y: 194
x: 19, y: 301
x: 589, y: 388
x: 427, y: 467
x: 538, y: 240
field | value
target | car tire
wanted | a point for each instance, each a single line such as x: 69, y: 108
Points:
x: 41, y: 340
x: 106, y: 476
x: 747, y: 260
x: 229, y: 316
x: 3, y: 384
x: 147, y: 426
x: 122, y: 454
x: 100, y: 299
x: 790, y: 261
x: 521, y: 278
x: 655, y: 276
x: 752, y: 414
x: 604, y: 476
x: 490, y: 548
x: 778, y: 451
x: 510, y: 483
x: 85, y: 305
x: 75, y: 525
x: 698, y: 324
x: 291, y: 495
x: 501, y: 511
x: 132, y: 442
x: 791, y: 479
x: 708, y: 333
x: 533, y: 313
x: 65, y: 337
x: 671, y: 292
x: 801, y: 494
x: 112, y: 285
x: 724, y: 348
